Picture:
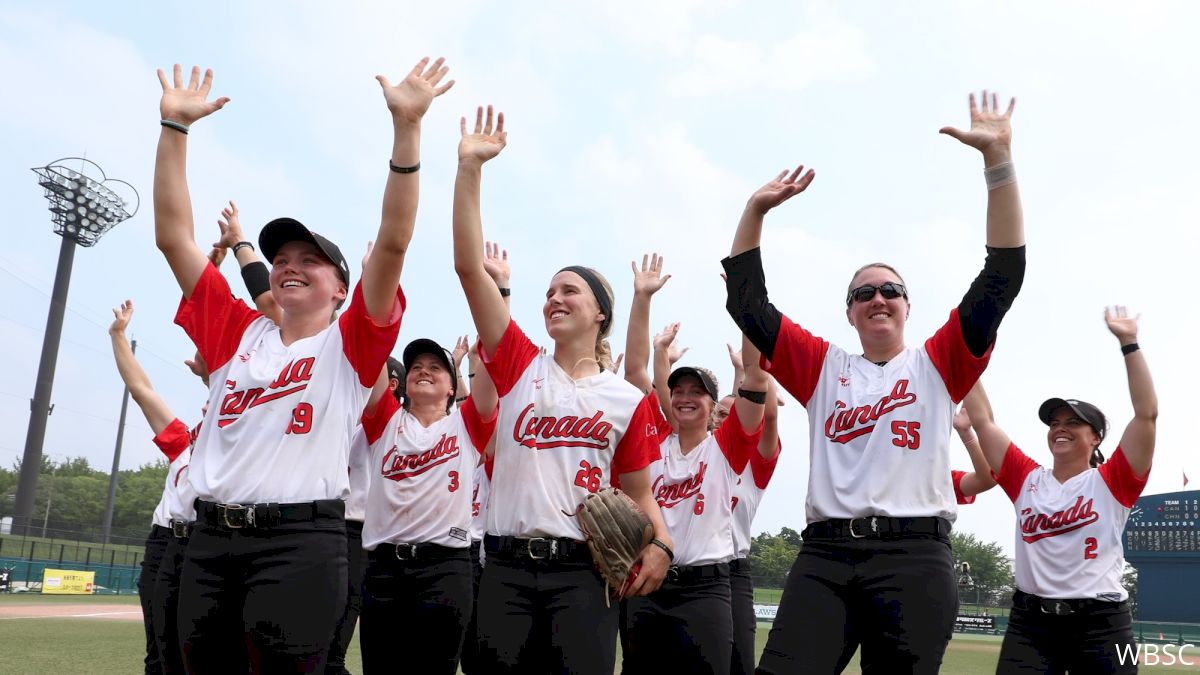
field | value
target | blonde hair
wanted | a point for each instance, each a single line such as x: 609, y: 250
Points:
x: 864, y: 268
x: 603, y: 348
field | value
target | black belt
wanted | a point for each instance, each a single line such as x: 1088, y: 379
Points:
x: 419, y: 551
x: 876, y: 527
x: 545, y: 549
x: 181, y: 529
x: 685, y: 575
x: 260, y: 516
x: 160, y: 532
x: 739, y: 566
x: 1061, y: 607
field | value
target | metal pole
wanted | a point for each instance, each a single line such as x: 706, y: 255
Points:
x: 31, y: 461
x: 112, y: 477
x: 49, y: 499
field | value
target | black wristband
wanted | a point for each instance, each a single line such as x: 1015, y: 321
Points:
x: 257, y: 278
x: 241, y: 245
x: 759, y: 397
x: 404, y: 169
x: 1129, y: 348
x: 666, y: 549
x: 460, y: 400
x: 505, y: 292
x: 177, y: 126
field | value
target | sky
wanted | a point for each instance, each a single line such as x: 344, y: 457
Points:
x: 636, y: 127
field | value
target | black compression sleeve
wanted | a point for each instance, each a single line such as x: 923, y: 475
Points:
x: 990, y: 296
x: 746, y: 300
x: 257, y: 278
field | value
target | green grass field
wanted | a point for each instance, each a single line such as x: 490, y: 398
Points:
x: 101, y: 647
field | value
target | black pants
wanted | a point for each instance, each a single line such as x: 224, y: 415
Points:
x: 166, y: 607
x: 414, y: 613
x: 156, y: 546
x: 537, y: 617
x: 263, y: 600
x: 344, y: 631
x: 470, y: 662
x: 1082, y: 643
x: 745, y: 625
x: 683, y: 627
x: 897, y: 598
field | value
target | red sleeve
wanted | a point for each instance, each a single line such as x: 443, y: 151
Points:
x: 1015, y: 469
x: 956, y: 476
x: 959, y: 368
x: 799, y: 356
x: 366, y: 343
x: 489, y: 463
x: 658, y: 418
x: 173, y: 440
x: 214, y: 319
x: 639, y: 445
x: 1120, y: 479
x: 513, y: 355
x: 374, y: 424
x: 479, y: 429
x: 735, y: 442
x: 762, y: 469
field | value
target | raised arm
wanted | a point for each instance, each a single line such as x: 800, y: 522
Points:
x: 1138, y: 440
x: 980, y: 479
x: 739, y: 368
x: 407, y: 101
x: 488, y: 308
x: 646, y: 282
x: 745, y: 284
x: 768, y: 444
x: 751, y: 396
x: 992, y: 439
x: 152, y: 405
x: 174, y: 228
x: 255, y: 273
x: 664, y: 349
x: 461, y: 347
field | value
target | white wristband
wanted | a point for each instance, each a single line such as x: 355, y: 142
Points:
x: 999, y: 175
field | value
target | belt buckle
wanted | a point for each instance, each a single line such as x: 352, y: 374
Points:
x: 550, y: 546
x: 673, y: 573
x: 1057, y: 607
x: 243, y: 516
x: 412, y: 551
x: 179, y: 529
x: 874, y: 527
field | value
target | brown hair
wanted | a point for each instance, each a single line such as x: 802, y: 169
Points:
x: 603, y: 349
x: 864, y: 268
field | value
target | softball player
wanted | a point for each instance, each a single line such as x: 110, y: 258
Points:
x: 417, y: 530
x: 1070, y: 610
x: 876, y: 568
x: 566, y: 427
x: 269, y: 465
x: 969, y: 484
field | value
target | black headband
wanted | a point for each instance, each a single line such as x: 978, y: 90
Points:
x: 602, y: 300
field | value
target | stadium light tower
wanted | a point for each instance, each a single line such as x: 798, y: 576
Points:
x: 82, y: 209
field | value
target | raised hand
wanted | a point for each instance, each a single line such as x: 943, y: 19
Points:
x: 461, y: 348
x: 230, y: 226
x: 1121, y: 324
x: 649, y: 278
x: 486, y: 141
x: 121, y: 317
x: 495, y: 261
x: 735, y: 358
x: 367, y: 255
x: 186, y: 104
x: 666, y: 340
x: 217, y: 256
x: 198, y: 367
x: 409, y: 99
x: 962, y: 420
x: 781, y: 189
x: 616, y: 364
x: 990, y: 128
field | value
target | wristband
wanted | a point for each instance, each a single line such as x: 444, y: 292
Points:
x: 759, y: 397
x: 404, y: 169
x: 177, y: 126
x: 666, y: 549
x: 999, y: 175
x: 1129, y: 348
x: 460, y: 400
x: 241, y: 245
x: 505, y: 292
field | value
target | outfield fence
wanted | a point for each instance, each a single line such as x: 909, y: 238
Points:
x: 116, y: 564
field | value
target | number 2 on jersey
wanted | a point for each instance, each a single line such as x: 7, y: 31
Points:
x: 908, y: 434
x: 589, y: 476
x: 1089, y: 548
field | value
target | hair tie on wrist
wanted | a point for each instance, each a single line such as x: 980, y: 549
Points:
x: 505, y: 292
x: 666, y: 549
x: 404, y: 169
x: 1129, y: 348
x: 177, y: 126
x: 999, y: 175
x: 241, y: 245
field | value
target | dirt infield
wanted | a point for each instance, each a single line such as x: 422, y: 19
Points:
x: 88, y: 610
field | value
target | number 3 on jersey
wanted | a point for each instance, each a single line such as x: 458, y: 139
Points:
x: 589, y: 476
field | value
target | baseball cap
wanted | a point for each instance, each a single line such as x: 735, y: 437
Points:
x: 1082, y: 409
x: 282, y: 230
x: 426, y: 346
x: 395, y: 369
x: 706, y: 379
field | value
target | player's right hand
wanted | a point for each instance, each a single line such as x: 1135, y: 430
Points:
x: 649, y: 279
x: 486, y: 141
x: 781, y: 189
x: 121, y: 315
x: 186, y: 104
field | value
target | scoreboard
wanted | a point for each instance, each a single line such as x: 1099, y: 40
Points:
x: 1164, y: 523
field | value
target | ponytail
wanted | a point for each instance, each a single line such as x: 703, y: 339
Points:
x: 603, y: 353
x: 1097, y: 457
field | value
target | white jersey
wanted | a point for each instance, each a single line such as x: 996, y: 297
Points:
x: 695, y: 491
x: 748, y: 492
x: 879, y: 435
x: 279, y: 416
x: 421, y: 476
x: 178, y: 498
x: 481, y: 486
x: 360, y: 474
x: 558, y: 439
x: 1069, y: 534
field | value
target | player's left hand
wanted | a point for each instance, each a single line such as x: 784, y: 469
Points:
x: 654, y: 565
x: 781, y: 189
x: 616, y: 364
x: 198, y: 367
x: 495, y: 263
x: 649, y: 279
x: 121, y: 315
x: 461, y: 347
x: 1121, y: 324
x: 230, y: 226
x: 409, y: 99
x: 990, y: 128
x: 962, y: 420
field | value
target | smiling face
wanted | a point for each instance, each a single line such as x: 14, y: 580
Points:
x: 878, y: 319
x: 690, y: 402
x: 570, y: 307
x: 303, y: 279
x: 428, y: 380
x: 1069, y: 436
x: 722, y: 410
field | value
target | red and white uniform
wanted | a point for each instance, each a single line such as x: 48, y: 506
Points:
x: 879, y: 435
x: 481, y: 487
x: 956, y: 477
x: 360, y: 473
x: 748, y: 492
x: 558, y: 439
x: 1069, y: 534
x: 695, y: 491
x: 178, y: 497
x: 279, y: 416
x: 421, y: 476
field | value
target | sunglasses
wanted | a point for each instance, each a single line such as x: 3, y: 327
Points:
x: 889, y: 289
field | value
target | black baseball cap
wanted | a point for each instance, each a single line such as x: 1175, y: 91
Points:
x: 395, y: 369
x: 426, y: 346
x: 706, y: 379
x: 1082, y: 409
x: 282, y: 230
